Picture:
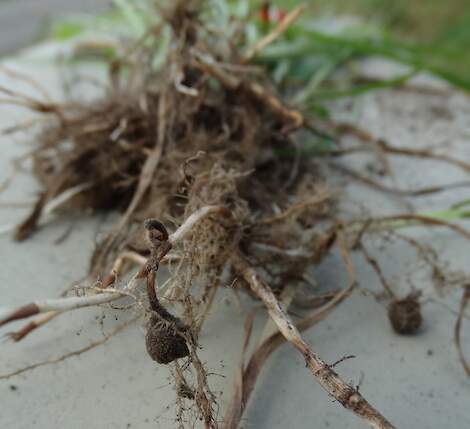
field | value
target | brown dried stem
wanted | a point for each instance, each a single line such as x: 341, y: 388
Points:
x: 388, y: 222
x: 343, y: 128
x: 458, y: 329
x: 207, y: 64
x: 378, y: 270
x: 346, y: 395
x: 150, y: 165
x: 288, y: 20
x: 246, y: 380
x: 400, y: 192
x: 107, y: 282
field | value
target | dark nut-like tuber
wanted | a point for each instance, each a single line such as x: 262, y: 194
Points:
x: 164, y: 344
x: 405, y: 315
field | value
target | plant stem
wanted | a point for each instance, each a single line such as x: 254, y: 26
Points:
x: 346, y: 395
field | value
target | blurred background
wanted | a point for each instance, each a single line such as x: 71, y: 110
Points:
x: 443, y: 25
x: 23, y: 22
x: 426, y: 20
x: 444, y: 21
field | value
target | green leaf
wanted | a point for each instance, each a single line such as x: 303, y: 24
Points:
x: 361, y: 89
x: 314, y: 147
x: 440, y: 60
x: 66, y: 30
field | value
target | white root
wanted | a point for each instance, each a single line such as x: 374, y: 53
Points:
x: 105, y: 296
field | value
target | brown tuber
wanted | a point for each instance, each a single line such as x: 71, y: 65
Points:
x: 163, y: 342
x: 405, y: 315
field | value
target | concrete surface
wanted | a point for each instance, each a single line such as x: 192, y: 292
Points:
x: 417, y: 382
x: 23, y: 21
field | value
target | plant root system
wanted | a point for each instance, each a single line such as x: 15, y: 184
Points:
x: 194, y: 155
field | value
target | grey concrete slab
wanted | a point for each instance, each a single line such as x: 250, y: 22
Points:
x: 22, y: 21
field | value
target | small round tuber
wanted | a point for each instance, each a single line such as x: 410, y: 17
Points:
x: 164, y: 344
x: 405, y: 315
